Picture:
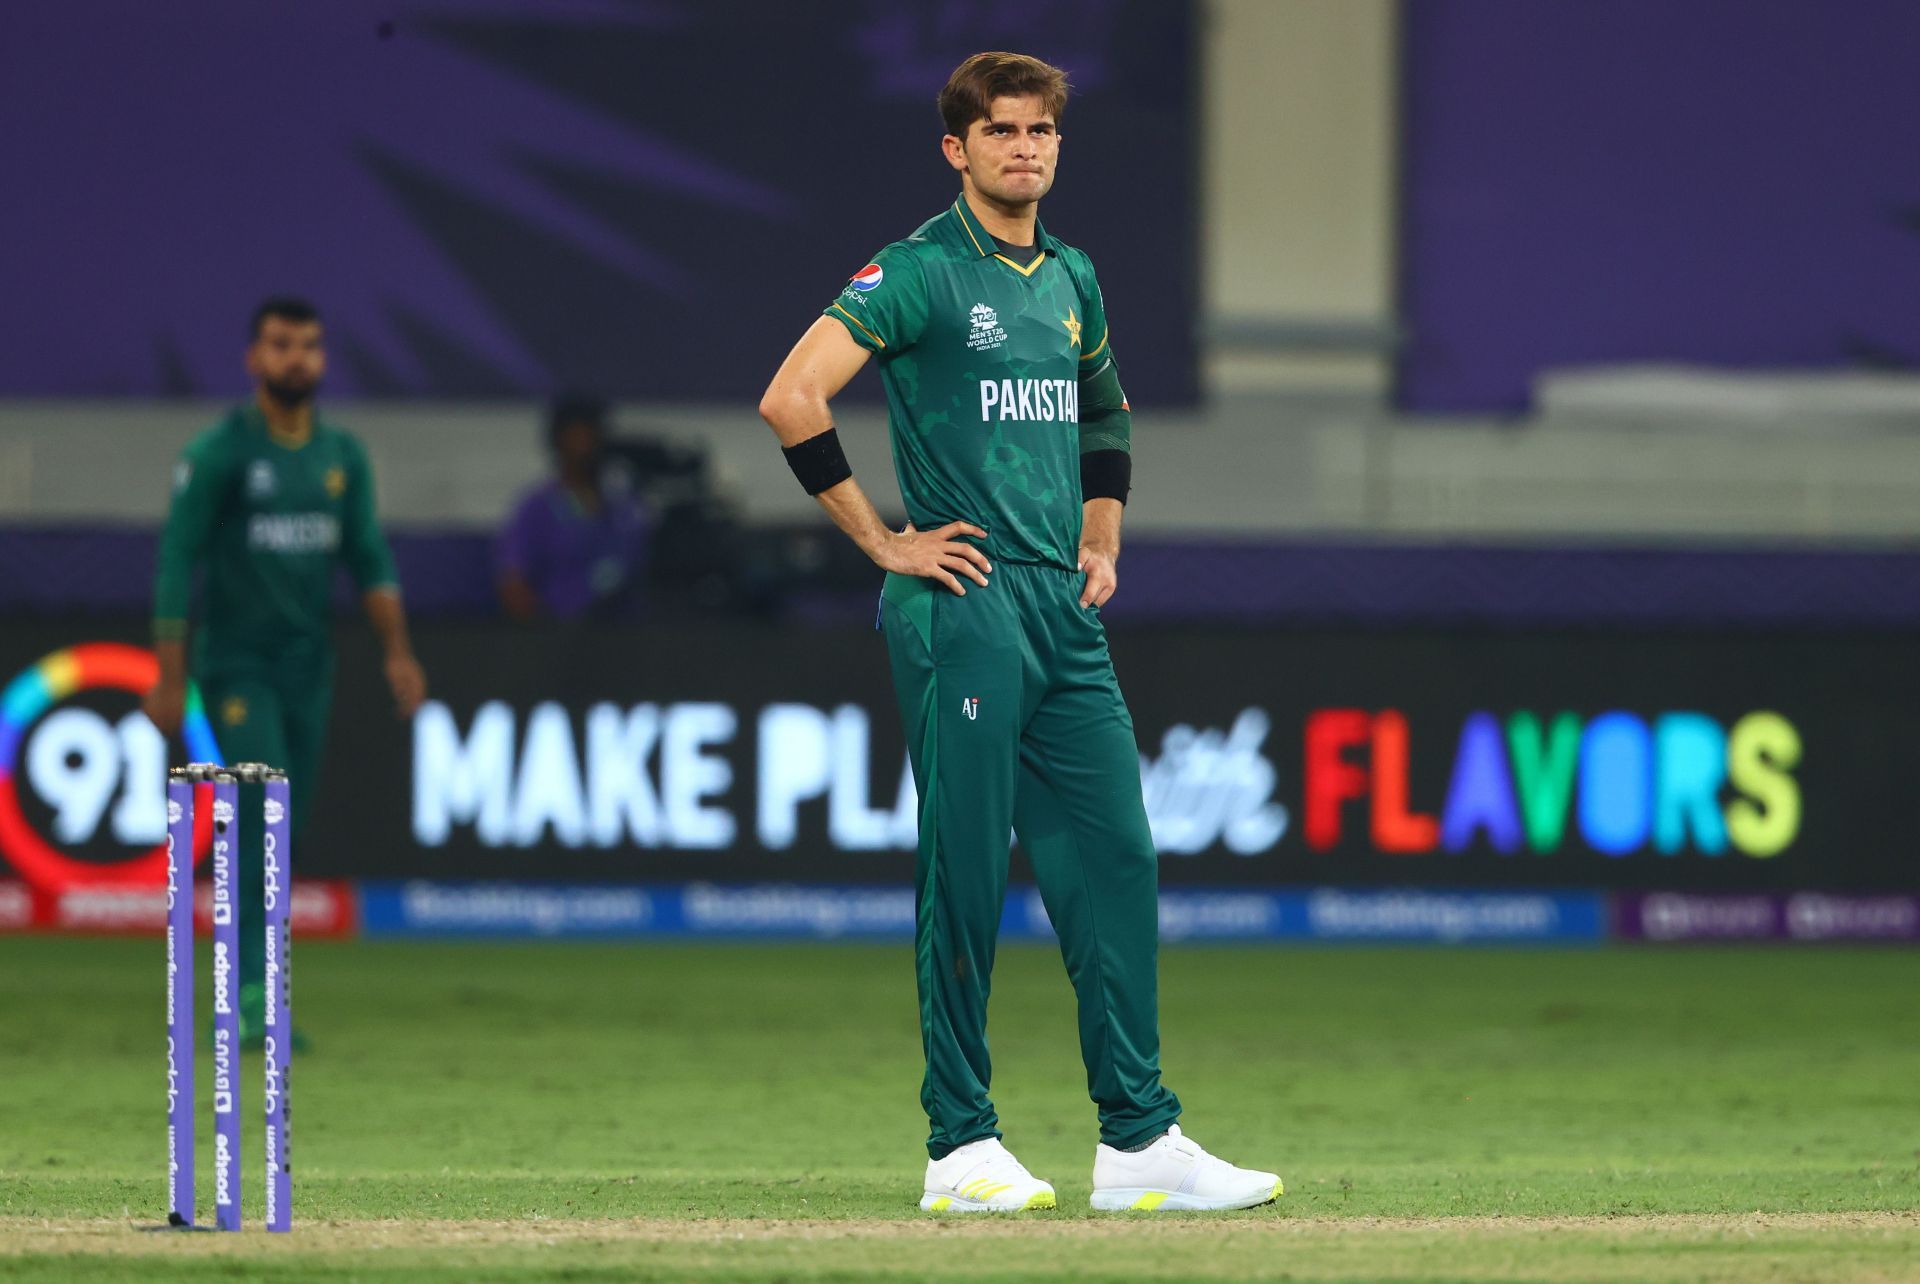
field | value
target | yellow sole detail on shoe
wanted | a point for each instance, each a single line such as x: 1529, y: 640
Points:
x: 1041, y: 1199
x: 1279, y: 1189
x: 1151, y: 1200
x: 941, y: 1204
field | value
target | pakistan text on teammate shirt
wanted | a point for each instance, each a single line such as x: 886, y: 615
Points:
x: 293, y: 532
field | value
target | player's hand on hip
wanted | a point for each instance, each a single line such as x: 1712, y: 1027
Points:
x: 937, y: 555
x: 165, y: 705
x: 1102, y: 578
x: 408, y: 682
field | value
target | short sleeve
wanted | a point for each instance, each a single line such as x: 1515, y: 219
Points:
x: 1096, y: 353
x: 363, y: 545
x: 884, y: 304
x: 201, y: 485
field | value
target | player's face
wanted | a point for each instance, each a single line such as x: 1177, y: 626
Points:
x: 287, y: 359
x: 1009, y: 157
x: 578, y: 446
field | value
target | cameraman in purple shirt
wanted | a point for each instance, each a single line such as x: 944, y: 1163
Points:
x: 575, y: 546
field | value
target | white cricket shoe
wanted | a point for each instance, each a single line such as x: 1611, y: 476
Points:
x: 982, y: 1177
x: 1175, y: 1175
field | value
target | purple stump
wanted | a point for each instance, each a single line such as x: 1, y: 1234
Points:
x: 278, y: 869
x: 180, y: 1085
x: 226, y: 1004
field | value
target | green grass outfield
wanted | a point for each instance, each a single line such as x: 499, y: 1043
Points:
x: 584, y: 1112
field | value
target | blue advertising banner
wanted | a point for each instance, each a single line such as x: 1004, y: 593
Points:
x: 805, y: 912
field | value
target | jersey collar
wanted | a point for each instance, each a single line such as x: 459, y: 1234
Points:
x: 982, y: 241
x: 256, y: 420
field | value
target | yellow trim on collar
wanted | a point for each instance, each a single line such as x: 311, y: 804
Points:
x: 966, y: 221
x: 962, y: 216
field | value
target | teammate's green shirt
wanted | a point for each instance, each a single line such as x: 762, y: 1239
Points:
x: 269, y: 520
x: 998, y: 376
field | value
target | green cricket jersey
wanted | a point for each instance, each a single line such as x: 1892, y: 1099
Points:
x: 269, y: 520
x: 998, y: 377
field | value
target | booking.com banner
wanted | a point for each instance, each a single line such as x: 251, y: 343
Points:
x: 812, y: 912
x: 740, y: 755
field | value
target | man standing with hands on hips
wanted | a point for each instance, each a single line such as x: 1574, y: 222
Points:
x: 1011, y: 441
x: 269, y: 500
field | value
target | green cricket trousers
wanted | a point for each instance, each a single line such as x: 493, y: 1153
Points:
x: 1015, y: 723
x: 276, y: 713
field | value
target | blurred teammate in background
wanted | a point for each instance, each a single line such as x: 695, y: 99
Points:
x: 576, y: 543
x: 268, y: 500
x: 1011, y: 440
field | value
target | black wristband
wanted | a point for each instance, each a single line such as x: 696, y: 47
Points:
x: 1106, y: 474
x: 819, y: 462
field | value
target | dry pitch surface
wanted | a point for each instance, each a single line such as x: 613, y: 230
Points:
x: 1879, y: 1247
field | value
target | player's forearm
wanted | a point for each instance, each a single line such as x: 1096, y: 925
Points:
x: 797, y: 411
x: 172, y: 655
x: 389, y: 621
x: 796, y: 417
x: 1100, y: 526
x: 855, y: 514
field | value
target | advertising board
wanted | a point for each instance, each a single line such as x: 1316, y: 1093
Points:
x: 740, y: 753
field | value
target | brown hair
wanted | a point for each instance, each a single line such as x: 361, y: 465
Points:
x: 984, y: 77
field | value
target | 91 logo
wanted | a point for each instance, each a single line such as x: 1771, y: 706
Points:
x: 83, y: 773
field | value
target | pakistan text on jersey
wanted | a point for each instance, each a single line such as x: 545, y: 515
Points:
x: 293, y: 532
x: 1042, y: 399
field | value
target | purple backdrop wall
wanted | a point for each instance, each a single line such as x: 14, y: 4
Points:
x: 50, y: 571
x: 644, y: 197
x: 1725, y: 181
